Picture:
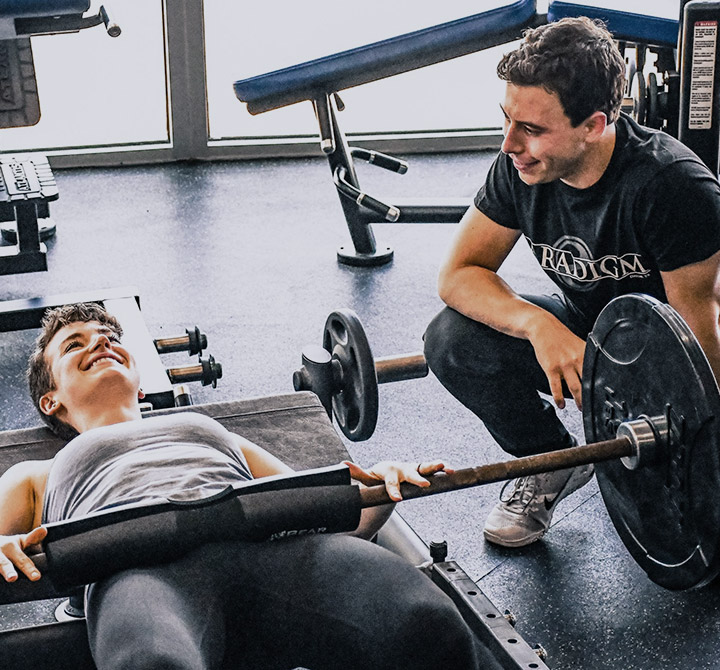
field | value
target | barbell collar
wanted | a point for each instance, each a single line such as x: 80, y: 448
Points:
x: 561, y: 459
x: 399, y: 368
x: 646, y: 434
x: 320, y: 373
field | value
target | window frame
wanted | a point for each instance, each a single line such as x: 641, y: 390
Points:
x: 188, y: 118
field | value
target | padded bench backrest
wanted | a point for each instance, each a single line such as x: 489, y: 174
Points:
x: 293, y: 427
x: 628, y: 26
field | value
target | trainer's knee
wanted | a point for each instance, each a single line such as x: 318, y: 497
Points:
x: 440, y: 341
x: 457, y: 345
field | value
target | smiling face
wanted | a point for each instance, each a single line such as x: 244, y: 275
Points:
x: 89, y: 367
x: 540, y: 139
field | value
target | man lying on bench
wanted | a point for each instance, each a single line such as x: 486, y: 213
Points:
x: 321, y: 601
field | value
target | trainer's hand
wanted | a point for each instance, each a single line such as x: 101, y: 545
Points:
x: 560, y: 353
x: 393, y: 473
x: 13, y: 556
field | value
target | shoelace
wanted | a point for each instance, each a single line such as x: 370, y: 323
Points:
x: 517, y: 497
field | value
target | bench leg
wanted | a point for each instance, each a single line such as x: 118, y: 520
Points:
x: 364, y: 251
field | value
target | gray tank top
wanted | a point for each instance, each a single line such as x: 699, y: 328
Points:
x: 182, y: 456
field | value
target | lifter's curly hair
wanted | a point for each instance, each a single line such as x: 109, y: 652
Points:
x: 39, y: 374
x: 575, y: 58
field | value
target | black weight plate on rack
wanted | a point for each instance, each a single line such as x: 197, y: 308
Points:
x: 642, y: 359
x: 355, y: 403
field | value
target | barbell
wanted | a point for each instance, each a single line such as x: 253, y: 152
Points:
x: 651, y: 409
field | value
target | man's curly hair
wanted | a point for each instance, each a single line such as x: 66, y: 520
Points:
x: 575, y: 58
x: 39, y: 374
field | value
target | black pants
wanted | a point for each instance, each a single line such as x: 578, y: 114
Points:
x: 498, y: 377
x: 320, y: 602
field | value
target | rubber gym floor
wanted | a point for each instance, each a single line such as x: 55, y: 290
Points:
x: 246, y: 250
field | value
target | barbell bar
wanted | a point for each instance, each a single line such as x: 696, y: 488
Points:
x: 627, y: 447
x: 651, y: 415
x: 79, y: 551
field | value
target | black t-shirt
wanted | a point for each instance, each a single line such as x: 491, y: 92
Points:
x: 656, y: 208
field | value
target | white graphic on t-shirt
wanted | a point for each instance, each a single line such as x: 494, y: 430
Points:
x: 570, y: 259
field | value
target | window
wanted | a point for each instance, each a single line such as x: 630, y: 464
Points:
x: 167, y: 82
x: 242, y: 43
x: 96, y: 90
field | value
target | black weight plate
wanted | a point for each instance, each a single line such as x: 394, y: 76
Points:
x: 355, y: 404
x: 638, y: 95
x: 653, y: 119
x: 642, y: 359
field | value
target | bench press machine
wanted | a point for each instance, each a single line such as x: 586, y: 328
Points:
x: 295, y: 428
x: 652, y: 405
x: 666, y: 103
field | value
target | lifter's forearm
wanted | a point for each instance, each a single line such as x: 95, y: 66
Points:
x: 372, y: 520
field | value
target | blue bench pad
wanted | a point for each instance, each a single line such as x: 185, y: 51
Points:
x: 313, y: 79
x: 623, y: 25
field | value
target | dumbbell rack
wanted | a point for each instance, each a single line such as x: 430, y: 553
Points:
x: 27, y: 186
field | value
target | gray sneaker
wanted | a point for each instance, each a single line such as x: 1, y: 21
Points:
x: 525, y: 515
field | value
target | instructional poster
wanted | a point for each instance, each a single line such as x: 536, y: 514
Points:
x: 703, y: 75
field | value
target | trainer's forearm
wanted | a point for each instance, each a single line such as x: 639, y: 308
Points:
x: 707, y: 331
x: 482, y: 295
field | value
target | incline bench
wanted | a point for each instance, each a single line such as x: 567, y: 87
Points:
x: 320, y: 80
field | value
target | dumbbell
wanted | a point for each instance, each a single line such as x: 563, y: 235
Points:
x: 345, y: 376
